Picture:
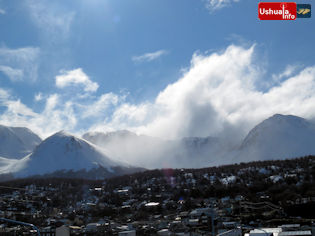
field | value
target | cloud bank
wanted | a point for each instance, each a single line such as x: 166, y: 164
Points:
x: 218, y: 95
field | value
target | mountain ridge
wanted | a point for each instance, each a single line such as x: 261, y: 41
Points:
x: 17, y: 142
x: 277, y: 137
x: 63, y: 152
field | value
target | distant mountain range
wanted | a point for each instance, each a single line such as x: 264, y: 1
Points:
x: 278, y: 137
x: 99, y: 155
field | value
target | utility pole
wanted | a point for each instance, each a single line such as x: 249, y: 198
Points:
x: 212, y: 220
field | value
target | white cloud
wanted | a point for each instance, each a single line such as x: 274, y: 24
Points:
x: 16, y: 108
x: 128, y: 115
x: 217, y: 95
x: 4, y: 95
x: 38, y: 97
x: 100, y: 106
x: 288, y: 71
x: 147, y: 57
x: 51, y: 102
x: 56, y: 115
x: 19, y: 64
x: 213, y: 5
x: 75, y: 77
x: 13, y: 74
x: 2, y: 11
x: 53, y: 19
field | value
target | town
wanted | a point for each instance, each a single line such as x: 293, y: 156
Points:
x: 269, y: 197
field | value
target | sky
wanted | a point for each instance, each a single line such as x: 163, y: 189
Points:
x: 163, y: 68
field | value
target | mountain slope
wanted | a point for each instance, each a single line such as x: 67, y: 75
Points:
x: 64, y: 152
x: 279, y: 137
x: 17, y: 142
x: 150, y: 152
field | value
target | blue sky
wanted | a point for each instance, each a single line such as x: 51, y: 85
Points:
x: 104, y: 65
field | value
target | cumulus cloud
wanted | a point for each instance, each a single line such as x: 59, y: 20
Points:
x: 20, y: 63
x: 218, y: 95
x: 213, y: 5
x: 147, y: 57
x: 2, y: 11
x: 56, y: 115
x: 75, y: 77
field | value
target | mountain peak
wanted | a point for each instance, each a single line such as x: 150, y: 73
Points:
x: 17, y: 142
x: 280, y: 117
x: 274, y: 124
x: 279, y: 121
x: 280, y: 136
x: 63, y: 151
x: 62, y: 134
x: 69, y: 142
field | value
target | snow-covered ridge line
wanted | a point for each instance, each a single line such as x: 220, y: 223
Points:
x: 61, y: 151
x: 278, y: 137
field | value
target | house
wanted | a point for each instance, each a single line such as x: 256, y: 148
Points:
x: 296, y: 233
x: 265, y: 232
x: 289, y: 227
x: 92, y: 227
x: 201, y: 211
x: 233, y: 232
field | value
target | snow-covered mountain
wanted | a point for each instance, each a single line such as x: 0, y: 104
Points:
x: 17, y: 142
x: 64, y: 152
x: 278, y: 137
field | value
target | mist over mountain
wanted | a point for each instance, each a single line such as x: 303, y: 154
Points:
x: 140, y: 150
x: 17, y: 142
x: 115, y: 153
x: 150, y: 152
x: 278, y: 137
